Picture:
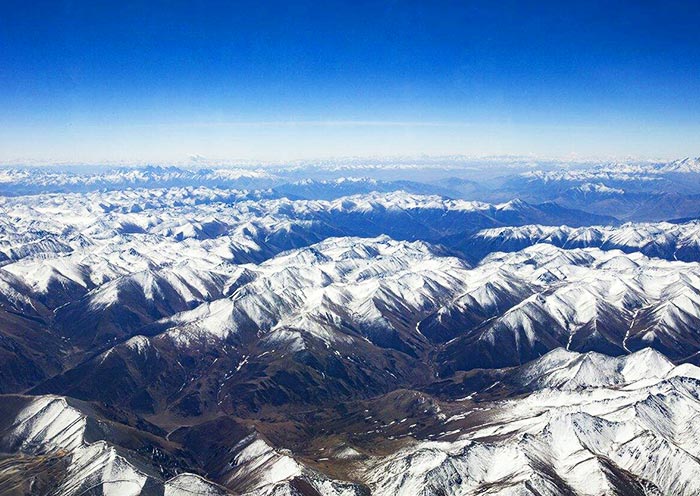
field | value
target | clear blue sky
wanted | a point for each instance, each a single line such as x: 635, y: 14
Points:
x: 88, y: 81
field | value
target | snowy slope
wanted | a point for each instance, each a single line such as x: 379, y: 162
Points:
x: 338, y: 287
x: 592, y: 425
x: 663, y: 239
x: 257, y: 469
x: 583, y: 300
x: 48, y: 427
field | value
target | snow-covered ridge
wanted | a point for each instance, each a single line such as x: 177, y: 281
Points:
x: 176, y: 255
x: 258, y: 469
x: 374, y: 335
x: 673, y: 241
x: 99, y: 266
x: 598, y: 188
x: 570, y: 371
x: 323, y: 289
x: 633, y: 434
x: 686, y: 165
x: 50, y: 426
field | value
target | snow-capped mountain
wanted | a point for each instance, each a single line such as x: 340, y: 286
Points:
x: 90, y: 454
x: 51, y: 225
x: 591, y: 425
x: 684, y: 165
x: 61, y: 449
x: 671, y: 241
x: 64, y: 246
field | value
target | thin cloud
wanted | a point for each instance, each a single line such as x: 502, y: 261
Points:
x: 318, y: 123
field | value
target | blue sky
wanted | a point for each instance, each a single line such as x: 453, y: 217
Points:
x: 159, y: 81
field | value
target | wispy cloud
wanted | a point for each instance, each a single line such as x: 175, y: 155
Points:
x: 317, y: 123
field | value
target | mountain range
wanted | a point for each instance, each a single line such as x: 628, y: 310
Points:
x: 295, y: 332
